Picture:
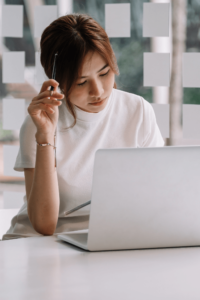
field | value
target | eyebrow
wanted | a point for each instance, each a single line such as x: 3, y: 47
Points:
x: 97, y: 71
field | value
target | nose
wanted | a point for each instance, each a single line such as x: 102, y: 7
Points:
x: 96, y: 89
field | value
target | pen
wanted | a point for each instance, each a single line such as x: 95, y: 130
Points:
x: 51, y: 89
x: 54, y: 70
x: 77, y: 208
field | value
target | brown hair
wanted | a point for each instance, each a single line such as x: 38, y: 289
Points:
x: 73, y: 36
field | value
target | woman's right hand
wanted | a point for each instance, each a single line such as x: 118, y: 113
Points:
x: 44, y: 108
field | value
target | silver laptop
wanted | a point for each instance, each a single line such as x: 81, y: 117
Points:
x: 143, y: 198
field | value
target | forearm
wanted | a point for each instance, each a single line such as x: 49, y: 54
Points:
x: 43, y: 202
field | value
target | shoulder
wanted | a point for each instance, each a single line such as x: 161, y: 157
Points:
x: 131, y: 103
x: 138, y: 116
x: 126, y: 97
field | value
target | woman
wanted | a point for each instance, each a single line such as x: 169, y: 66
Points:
x: 86, y: 114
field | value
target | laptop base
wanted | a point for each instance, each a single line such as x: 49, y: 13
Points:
x: 77, y: 239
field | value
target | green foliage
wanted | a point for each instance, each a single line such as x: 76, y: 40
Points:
x: 191, y: 96
x: 5, y: 134
x: 130, y: 63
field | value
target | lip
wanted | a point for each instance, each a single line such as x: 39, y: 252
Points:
x: 98, y: 103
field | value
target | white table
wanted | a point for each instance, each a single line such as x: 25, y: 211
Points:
x: 46, y: 268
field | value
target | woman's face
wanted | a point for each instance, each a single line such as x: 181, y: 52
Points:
x: 94, y: 84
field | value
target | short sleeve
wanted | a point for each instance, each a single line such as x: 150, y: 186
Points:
x: 27, y: 152
x: 151, y: 133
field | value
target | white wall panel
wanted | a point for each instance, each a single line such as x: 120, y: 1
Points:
x: 43, y: 16
x: 12, y: 21
x: 156, y: 69
x: 162, y: 118
x: 191, y: 70
x: 13, y: 66
x: 156, y: 18
x: 191, y: 121
x: 118, y: 20
x: 13, y: 113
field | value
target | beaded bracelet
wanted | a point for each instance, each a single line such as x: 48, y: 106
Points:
x: 45, y: 145
x: 48, y: 144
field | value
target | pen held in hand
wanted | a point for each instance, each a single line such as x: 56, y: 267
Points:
x: 77, y: 208
x: 54, y: 70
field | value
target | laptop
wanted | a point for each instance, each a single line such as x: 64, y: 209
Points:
x: 143, y: 198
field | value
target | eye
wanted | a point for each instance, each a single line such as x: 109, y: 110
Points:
x: 79, y: 84
x: 105, y: 73
x: 82, y: 83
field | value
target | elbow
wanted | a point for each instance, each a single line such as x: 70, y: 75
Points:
x: 44, y: 229
x: 43, y: 223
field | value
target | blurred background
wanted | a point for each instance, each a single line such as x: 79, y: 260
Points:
x: 184, y: 37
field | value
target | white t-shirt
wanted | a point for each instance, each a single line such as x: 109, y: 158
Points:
x: 127, y: 121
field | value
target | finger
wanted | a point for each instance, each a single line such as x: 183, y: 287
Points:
x: 48, y: 108
x: 49, y: 104
x: 52, y: 101
x: 54, y: 94
x: 48, y: 83
x: 45, y: 94
x: 43, y: 107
